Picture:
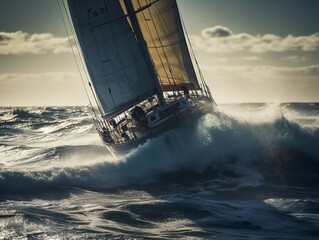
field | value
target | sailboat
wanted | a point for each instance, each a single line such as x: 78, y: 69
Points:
x: 142, y: 71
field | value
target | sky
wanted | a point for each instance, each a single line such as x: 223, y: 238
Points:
x: 248, y: 51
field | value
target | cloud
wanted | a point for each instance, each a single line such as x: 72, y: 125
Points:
x: 250, y: 58
x: 217, y: 31
x: 269, y: 71
x: 263, y: 83
x: 220, y: 39
x: 296, y: 58
x: 309, y: 71
x: 222, y: 59
x: 24, y: 43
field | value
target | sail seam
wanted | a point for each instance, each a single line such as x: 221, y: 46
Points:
x: 152, y: 38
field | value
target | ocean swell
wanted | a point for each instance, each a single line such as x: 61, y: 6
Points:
x: 221, y: 147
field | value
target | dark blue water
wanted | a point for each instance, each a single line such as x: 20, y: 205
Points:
x: 250, y: 171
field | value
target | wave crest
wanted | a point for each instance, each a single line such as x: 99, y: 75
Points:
x: 245, y: 152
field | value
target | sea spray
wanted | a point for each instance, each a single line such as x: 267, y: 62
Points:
x: 215, y: 141
x: 249, y: 171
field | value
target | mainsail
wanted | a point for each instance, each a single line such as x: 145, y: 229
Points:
x: 119, y: 72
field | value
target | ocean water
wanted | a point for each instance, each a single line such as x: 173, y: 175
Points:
x: 247, y: 171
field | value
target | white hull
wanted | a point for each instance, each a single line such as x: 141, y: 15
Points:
x: 184, y: 119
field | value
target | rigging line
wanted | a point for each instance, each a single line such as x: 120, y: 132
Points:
x: 130, y: 43
x: 151, y: 66
x: 96, y: 122
x: 73, y: 53
x: 81, y: 60
x: 150, y: 33
x: 164, y: 27
x: 165, y: 55
x: 144, y: 50
x: 207, y: 90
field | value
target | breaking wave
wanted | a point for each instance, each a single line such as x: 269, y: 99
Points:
x: 244, y: 146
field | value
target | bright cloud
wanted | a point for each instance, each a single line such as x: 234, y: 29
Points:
x: 221, y: 39
x: 250, y: 58
x: 24, y: 43
x: 258, y: 72
x: 296, y: 59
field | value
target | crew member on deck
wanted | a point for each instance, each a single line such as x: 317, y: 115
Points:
x: 185, y: 91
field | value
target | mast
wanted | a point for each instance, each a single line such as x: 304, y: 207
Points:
x: 144, y: 50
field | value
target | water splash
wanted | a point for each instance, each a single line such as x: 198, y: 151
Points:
x: 69, y: 153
